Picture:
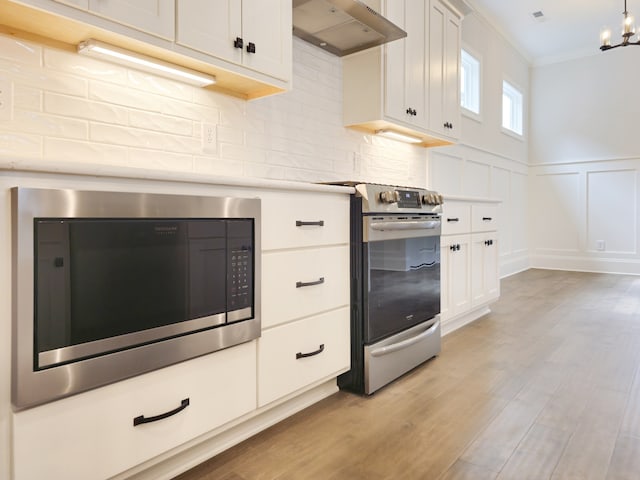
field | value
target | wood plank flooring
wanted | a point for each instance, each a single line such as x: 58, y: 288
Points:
x: 544, y: 387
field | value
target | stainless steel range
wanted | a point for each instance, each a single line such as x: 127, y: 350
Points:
x: 395, y: 275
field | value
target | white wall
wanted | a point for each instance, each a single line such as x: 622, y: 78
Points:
x: 585, y: 164
x: 489, y: 162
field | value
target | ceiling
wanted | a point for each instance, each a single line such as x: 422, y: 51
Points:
x: 568, y: 29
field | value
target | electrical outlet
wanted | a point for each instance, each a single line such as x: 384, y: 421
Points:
x: 600, y: 245
x: 209, y: 138
x: 6, y: 100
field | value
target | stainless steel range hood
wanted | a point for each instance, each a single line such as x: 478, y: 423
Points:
x: 342, y: 26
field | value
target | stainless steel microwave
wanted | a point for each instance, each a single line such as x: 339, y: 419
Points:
x: 108, y: 285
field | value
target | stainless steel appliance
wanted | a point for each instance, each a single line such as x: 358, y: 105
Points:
x: 342, y: 27
x: 108, y: 285
x: 395, y: 274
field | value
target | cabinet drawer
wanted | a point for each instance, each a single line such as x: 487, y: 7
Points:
x: 91, y: 435
x: 304, y: 219
x: 456, y: 218
x: 300, y: 283
x: 484, y: 218
x: 324, y: 338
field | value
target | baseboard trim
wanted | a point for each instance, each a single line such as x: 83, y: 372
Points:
x: 453, y: 324
x: 623, y: 266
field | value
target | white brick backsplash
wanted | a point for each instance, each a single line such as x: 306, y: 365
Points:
x: 160, y: 123
x: 73, y: 108
x: 161, y: 86
x: 37, y: 123
x: 159, y: 160
x: 217, y: 166
x: 126, y: 97
x: 136, y: 137
x: 72, y: 63
x: 20, y: 51
x: 230, y: 135
x: 27, y: 98
x: 19, y: 144
x: 85, y: 109
x: 44, y: 79
x: 57, y: 149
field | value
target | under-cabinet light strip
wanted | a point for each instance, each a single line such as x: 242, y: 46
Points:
x: 127, y: 58
x: 403, y: 137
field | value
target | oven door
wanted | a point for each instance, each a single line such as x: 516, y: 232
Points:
x: 401, y: 273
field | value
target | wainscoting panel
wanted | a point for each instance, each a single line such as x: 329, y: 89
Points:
x: 585, y: 216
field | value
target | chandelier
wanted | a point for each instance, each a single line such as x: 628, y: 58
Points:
x: 628, y: 31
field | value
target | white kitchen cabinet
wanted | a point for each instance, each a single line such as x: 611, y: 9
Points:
x: 484, y: 268
x: 444, y: 70
x: 156, y: 17
x: 305, y: 292
x: 398, y: 86
x: 299, y: 283
x: 92, y: 435
x: 469, y: 260
x: 455, y: 272
x: 404, y: 70
x: 196, y: 34
x: 252, y: 33
x: 299, y: 354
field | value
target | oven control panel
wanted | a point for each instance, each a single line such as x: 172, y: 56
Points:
x: 387, y: 198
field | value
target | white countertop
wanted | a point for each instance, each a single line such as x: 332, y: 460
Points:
x: 113, y: 171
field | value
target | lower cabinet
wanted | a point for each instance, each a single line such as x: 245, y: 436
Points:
x: 92, y: 435
x: 301, y: 353
x: 485, y: 285
x: 469, y: 261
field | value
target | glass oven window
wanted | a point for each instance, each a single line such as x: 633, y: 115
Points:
x: 403, y: 284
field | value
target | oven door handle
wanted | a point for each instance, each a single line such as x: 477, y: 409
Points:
x: 379, y: 352
x: 408, y: 225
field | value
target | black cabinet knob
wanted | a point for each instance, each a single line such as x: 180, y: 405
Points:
x: 251, y: 47
x: 238, y: 42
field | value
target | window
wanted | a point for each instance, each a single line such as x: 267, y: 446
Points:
x: 470, y: 83
x: 511, y: 108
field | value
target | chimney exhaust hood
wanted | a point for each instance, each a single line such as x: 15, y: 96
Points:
x: 342, y: 27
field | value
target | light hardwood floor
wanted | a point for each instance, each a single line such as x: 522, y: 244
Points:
x: 544, y: 387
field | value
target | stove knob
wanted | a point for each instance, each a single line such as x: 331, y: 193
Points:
x: 440, y: 199
x: 390, y: 196
x: 428, y: 199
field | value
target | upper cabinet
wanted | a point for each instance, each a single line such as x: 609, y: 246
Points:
x: 156, y: 17
x: 410, y: 85
x: 252, y: 33
x: 245, y: 44
x: 404, y: 69
x: 444, y: 71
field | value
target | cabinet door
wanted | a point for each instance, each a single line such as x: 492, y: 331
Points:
x: 456, y: 279
x: 405, y: 76
x: 156, y: 17
x: 485, y: 283
x: 444, y: 70
x: 264, y: 27
x: 210, y: 26
x: 267, y: 25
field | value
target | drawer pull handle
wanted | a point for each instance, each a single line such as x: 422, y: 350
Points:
x: 486, y: 219
x: 453, y: 219
x: 142, y: 419
x: 300, y: 223
x: 300, y: 355
x: 310, y: 284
